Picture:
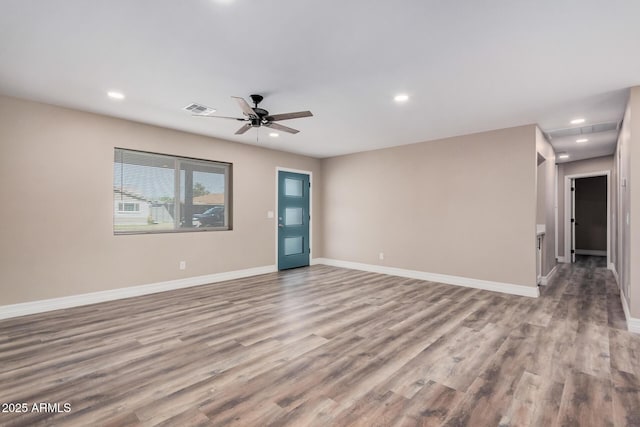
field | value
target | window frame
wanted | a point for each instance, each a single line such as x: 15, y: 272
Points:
x: 178, y: 209
x: 136, y: 205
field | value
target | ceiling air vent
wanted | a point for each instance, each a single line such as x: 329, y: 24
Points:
x: 198, y: 109
x: 584, y: 130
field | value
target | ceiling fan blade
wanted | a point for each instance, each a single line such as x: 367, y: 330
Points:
x: 219, y: 117
x: 288, y: 116
x: 243, y: 129
x: 281, y: 128
x: 246, y: 108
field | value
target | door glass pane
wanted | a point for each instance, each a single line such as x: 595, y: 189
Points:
x: 292, y: 187
x: 293, y: 216
x: 293, y: 245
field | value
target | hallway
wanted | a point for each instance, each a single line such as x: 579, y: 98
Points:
x: 597, y: 359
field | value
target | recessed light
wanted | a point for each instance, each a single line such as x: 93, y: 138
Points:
x: 274, y: 135
x: 582, y: 140
x: 563, y: 156
x: 115, y: 95
x: 402, y: 97
x: 577, y: 121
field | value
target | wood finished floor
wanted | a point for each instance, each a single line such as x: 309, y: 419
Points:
x: 332, y: 347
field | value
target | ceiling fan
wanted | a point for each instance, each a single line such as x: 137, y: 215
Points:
x: 256, y: 116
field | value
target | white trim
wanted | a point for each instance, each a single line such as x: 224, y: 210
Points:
x: 539, y: 240
x: 612, y: 267
x: 561, y: 259
x: 625, y: 307
x: 590, y: 252
x: 567, y: 210
x: 633, y: 324
x: 33, y: 307
x: 545, y: 279
x: 555, y: 211
x: 311, y: 215
x: 507, y: 288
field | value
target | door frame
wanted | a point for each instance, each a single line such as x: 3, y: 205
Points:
x: 568, y: 179
x: 275, y: 217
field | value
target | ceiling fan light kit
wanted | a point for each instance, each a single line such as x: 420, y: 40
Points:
x: 255, y: 117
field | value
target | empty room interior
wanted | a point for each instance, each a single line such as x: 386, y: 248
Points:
x: 235, y: 212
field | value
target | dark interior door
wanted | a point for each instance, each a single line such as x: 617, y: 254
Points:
x: 591, y: 215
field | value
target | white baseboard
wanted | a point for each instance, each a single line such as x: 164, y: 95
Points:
x: 625, y: 307
x: 33, y: 307
x: 590, y: 252
x: 633, y: 324
x: 561, y: 259
x: 612, y: 267
x: 545, y: 279
x: 507, y: 288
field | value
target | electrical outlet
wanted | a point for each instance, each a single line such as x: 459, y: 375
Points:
x: 183, y: 265
x: 381, y: 256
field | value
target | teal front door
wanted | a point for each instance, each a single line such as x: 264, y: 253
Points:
x: 293, y: 220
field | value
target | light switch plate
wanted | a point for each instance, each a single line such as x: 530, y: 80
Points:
x: 269, y: 214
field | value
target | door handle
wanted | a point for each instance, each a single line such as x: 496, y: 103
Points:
x: 280, y: 225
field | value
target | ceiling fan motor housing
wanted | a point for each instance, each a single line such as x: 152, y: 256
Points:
x: 261, y: 112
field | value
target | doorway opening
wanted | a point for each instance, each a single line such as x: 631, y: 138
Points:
x: 587, y: 216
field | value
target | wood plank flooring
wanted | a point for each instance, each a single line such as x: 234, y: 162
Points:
x: 324, y: 346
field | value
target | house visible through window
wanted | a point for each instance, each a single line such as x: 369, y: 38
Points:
x: 155, y: 193
x: 129, y: 207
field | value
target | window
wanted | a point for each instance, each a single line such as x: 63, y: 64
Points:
x: 128, y: 207
x: 154, y: 193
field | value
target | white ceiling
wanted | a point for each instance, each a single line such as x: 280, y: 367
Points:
x: 468, y: 65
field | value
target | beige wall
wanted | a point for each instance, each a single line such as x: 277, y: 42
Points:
x: 597, y: 164
x: 628, y: 204
x: 463, y: 206
x: 56, y: 169
x: 621, y: 168
x: 634, y: 204
x: 546, y: 182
